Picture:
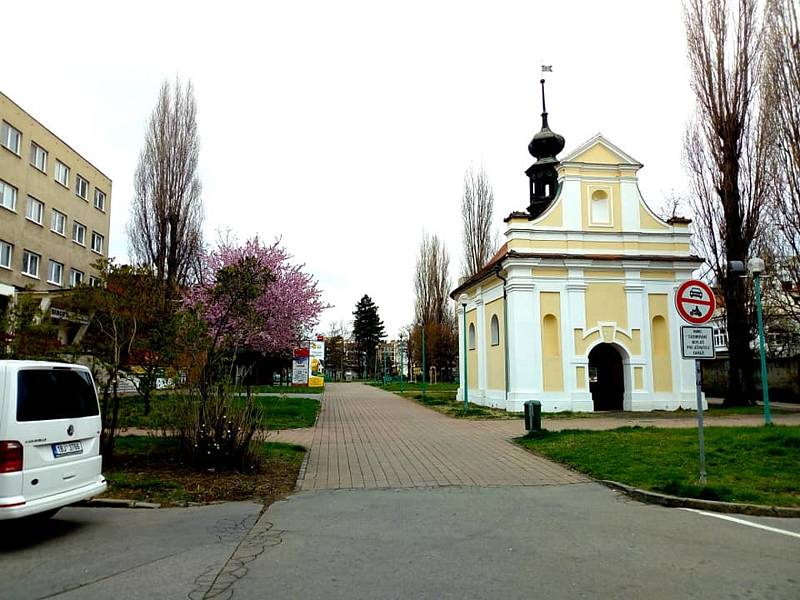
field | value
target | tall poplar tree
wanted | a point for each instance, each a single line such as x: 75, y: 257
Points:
x: 165, y: 229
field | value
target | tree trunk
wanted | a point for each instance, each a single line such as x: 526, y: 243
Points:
x: 740, y: 372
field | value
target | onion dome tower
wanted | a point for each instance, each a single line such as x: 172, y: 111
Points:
x: 542, y: 174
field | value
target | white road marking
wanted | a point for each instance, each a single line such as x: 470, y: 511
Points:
x: 743, y: 522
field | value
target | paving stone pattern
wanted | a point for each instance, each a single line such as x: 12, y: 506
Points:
x: 368, y: 438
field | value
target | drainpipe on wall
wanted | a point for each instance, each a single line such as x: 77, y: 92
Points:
x: 505, y: 331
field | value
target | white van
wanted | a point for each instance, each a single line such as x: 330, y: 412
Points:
x: 49, y: 437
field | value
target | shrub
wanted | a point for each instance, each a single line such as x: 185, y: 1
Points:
x: 221, y: 432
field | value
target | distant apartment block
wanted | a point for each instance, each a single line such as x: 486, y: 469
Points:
x: 55, y: 208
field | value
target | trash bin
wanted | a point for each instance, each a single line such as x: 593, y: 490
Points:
x: 533, y: 415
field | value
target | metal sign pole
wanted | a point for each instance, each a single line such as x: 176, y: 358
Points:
x: 698, y: 377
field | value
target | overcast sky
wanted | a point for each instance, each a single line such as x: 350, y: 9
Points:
x: 345, y: 128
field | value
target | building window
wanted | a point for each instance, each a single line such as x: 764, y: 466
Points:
x: 720, y: 337
x: 62, y: 173
x: 75, y: 277
x: 10, y: 137
x: 81, y: 187
x: 99, y: 200
x: 8, y: 196
x: 35, y: 210
x: 600, y: 209
x: 38, y: 157
x: 30, y: 264
x: 94, y: 281
x: 97, y: 242
x: 55, y: 270
x: 6, y: 252
x: 79, y: 233
x: 58, y: 222
x: 471, y: 336
x: 495, y: 330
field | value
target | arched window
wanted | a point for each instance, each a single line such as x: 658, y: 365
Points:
x: 600, y: 208
x: 471, y: 336
x: 495, y: 330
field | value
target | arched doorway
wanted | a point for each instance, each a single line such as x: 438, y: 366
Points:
x: 606, y: 377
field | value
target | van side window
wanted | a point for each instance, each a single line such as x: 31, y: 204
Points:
x: 46, y: 394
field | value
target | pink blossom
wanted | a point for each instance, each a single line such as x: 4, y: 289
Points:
x: 287, y: 306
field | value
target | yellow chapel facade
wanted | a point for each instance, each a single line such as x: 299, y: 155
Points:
x: 577, y: 308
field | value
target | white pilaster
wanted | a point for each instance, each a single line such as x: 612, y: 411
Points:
x: 523, y: 336
x: 461, y: 357
x: 480, y: 340
x: 571, y: 202
x: 633, y: 293
x: 629, y: 200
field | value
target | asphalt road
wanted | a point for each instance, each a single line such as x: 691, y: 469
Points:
x: 556, y: 541
x: 120, y: 553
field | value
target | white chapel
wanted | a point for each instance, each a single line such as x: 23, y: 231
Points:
x: 576, y: 309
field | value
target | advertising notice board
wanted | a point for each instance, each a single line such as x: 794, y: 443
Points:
x: 317, y: 362
x: 300, y: 366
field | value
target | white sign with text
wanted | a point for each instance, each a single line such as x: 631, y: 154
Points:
x: 697, y: 342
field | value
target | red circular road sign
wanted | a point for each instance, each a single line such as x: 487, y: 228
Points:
x: 695, y: 302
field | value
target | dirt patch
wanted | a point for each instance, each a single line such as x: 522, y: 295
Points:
x: 158, y: 477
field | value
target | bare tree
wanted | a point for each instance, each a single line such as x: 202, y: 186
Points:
x: 165, y: 228
x: 432, y: 307
x: 726, y: 153
x: 477, y: 208
x: 782, y: 90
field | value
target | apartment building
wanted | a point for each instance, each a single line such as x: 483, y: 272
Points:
x: 55, y: 208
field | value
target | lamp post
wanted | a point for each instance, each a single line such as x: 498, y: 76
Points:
x: 423, y: 361
x: 402, y: 339
x: 384, y: 366
x: 756, y: 267
x: 463, y: 300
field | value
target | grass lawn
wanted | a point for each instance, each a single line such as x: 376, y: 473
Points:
x: 284, y: 389
x: 146, y: 469
x: 287, y: 413
x: 394, y: 386
x: 279, y: 412
x: 715, y: 411
x: 441, y: 397
x: 755, y: 465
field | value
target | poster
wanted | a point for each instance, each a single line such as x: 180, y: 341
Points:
x: 317, y: 360
x: 300, y: 367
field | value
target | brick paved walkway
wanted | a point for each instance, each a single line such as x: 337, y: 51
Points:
x: 368, y: 438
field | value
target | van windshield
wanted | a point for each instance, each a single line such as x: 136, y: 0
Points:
x: 45, y: 394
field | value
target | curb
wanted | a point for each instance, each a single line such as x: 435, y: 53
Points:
x: 301, y: 474
x: 755, y: 510
x: 116, y: 503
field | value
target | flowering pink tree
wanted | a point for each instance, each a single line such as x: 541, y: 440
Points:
x: 252, y: 297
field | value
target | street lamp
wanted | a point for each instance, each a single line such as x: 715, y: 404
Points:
x: 423, y: 360
x: 463, y: 300
x: 756, y: 267
x: 402, y: 340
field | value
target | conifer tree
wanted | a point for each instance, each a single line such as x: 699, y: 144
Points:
x: 367, y: 330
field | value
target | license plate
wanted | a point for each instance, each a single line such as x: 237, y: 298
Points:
x: 67, y: 448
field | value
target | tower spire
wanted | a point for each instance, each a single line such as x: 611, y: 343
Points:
x: 543, y: 176
x: 544, y: 107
